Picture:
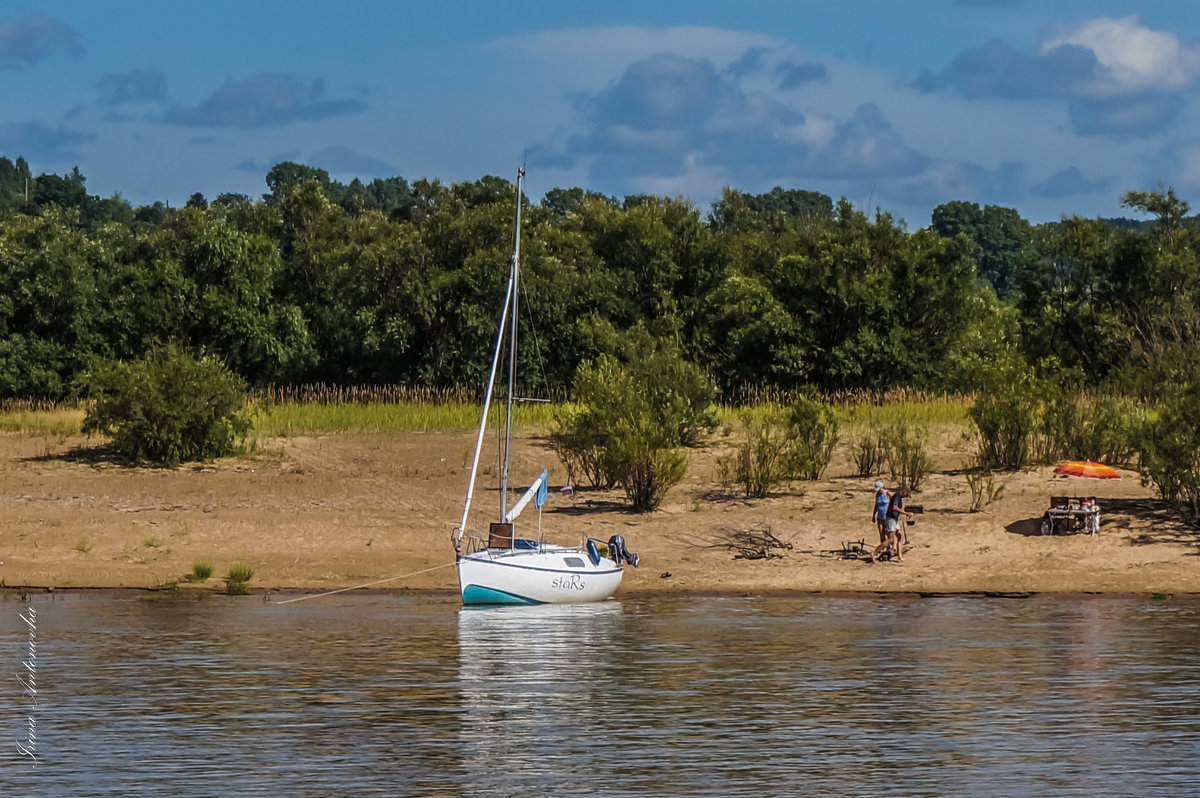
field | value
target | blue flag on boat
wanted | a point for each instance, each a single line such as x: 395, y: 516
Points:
x: 536, y: 492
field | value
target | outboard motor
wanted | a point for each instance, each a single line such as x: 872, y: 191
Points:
x: 620, y: 553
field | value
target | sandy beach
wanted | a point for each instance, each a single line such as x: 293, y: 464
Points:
x: 320, y: 513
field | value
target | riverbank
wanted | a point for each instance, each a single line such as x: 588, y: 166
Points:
x: 326, y: 512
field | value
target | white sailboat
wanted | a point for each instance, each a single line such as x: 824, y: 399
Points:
x: 503, y: 568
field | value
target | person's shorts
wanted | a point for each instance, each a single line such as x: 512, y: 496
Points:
x: 892, y: 525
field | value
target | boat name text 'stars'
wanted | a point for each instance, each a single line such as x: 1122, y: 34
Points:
x: 572, y: 582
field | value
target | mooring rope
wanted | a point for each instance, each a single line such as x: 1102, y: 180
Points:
x: 368, y: 584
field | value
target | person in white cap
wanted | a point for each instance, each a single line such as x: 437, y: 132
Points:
x: 882, y: 498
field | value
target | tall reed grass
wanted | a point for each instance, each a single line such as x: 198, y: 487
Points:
x: 314, y: 409
x: 42, y: 416
x: 858, y: 411
x: 280, y: 411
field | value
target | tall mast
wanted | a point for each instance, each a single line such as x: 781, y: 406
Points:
x: 514, y: 269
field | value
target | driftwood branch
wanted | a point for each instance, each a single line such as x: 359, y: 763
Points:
x: 751, y: 544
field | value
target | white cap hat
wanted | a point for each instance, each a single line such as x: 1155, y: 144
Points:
x: 878, y: 486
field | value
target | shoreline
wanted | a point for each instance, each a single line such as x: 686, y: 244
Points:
x: 263, y: 593
x: 321, y: 513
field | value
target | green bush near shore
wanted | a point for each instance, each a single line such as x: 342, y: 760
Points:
x: 201, y: 570
x: 169, y: 408
x: 239, y: 574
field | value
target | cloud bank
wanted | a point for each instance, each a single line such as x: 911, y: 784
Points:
x: 265, y: 100
x: 27, y: 40
x: 1118, y: 77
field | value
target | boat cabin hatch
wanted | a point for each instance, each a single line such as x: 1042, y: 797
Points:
x: 500, y: 536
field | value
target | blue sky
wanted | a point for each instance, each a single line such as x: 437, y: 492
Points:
x: 1050, y: 108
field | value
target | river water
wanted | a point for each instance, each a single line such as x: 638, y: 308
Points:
x: 409, y: 696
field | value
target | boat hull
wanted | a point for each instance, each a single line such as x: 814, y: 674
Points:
x: 544, y: 576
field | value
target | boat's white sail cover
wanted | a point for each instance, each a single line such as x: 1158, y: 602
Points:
x: 537, y: 492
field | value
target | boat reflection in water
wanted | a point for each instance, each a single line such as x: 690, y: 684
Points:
x: 535, y: 682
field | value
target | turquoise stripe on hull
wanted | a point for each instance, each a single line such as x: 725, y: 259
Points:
x: 474, y: 594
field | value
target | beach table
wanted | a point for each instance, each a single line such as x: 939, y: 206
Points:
x: 1070, y: 514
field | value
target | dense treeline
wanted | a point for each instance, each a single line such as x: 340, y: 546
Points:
x: 394, y: 282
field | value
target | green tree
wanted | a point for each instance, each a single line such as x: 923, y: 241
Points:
x: 286, y: 176
x: 234, y: 310
x: 313, y: 247
x: 151, y: 215
x: 467, y: 251
x: 873, y: 306
x: 636, y: 249
x: 999, y: 234
x: 146, y: 296
x: 390, y: 291
x: 65, y: 192
x: 15, y: 182
x: 793, y: 202
x: 748, y: 337
x: 1156, y: 286
x: 1068, y: 302
x: 231, y: 199
x: 49, y: 303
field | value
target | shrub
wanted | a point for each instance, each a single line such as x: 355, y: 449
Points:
x: 1005, y: 425
x: 907, y: 458
x: 633, y: 418
x: 239, y: 574
x: 815, y: 430
x: 581, y: 436
x: 201, y: 570
x: 646, y: 466
x: 1168, y: 443
x: 763, y: 459
x: 678, y: 392
x: 868, y: 445
x: 981, y: 482
x: 1111, y: 430
x: 1072, y: 426
x: 168, y: 408
x: 781, y: 445
x: 1005, y: 414
x: 1059, y: 431
x: 869, y: 452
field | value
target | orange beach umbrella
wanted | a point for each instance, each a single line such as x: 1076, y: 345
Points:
x: 1086, y: 468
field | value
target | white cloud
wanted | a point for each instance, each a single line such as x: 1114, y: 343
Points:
x: 1134, y: 58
